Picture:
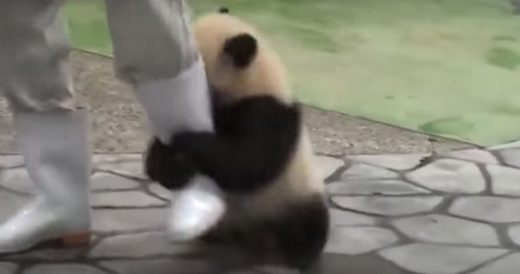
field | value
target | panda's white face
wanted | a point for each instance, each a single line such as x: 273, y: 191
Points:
x: 238, y: 63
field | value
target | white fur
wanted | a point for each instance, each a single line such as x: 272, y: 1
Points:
x: 267, y: 76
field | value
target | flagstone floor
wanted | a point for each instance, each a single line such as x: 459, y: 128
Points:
x: 453, y: 213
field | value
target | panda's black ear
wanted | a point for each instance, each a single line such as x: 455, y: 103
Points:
x: 223, y: 10
x: 242, y: 49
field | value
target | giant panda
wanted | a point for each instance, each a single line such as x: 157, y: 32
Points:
x: 260, y: 154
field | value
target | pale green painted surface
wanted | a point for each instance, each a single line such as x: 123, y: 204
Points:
x: 448, y: 67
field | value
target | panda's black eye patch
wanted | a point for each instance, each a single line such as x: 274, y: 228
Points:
x: 242, y: 49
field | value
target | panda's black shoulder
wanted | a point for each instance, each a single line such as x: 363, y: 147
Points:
x: 262, y: 111
x: 264, y: 104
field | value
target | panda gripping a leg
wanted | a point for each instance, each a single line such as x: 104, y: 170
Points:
x: 259, y: 155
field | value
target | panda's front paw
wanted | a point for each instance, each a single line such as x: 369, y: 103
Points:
x: 192, y: 143
x: 156, y: 158
x: 167, y: 166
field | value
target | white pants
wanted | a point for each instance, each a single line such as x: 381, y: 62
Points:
x: 151, y: 38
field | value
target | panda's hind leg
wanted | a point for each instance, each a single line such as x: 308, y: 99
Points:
x: 302, y: 233
x: 295, y: 237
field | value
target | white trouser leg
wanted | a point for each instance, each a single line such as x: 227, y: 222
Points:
x: 54, y: 146
x: 34, y: 53
x: 156, y: 53
x: 51, y: 134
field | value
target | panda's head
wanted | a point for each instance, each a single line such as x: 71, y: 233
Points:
x: 238, y: 62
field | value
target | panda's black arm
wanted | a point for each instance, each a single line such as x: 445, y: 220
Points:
x: 255, y: 141
x: 164, y: 165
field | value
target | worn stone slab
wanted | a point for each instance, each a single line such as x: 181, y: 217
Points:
x: 63, y: 268
x: 388, y: 206
x: 511, y: 156
x: 448, y: 175
x: 109, y: 182
x: 514, y: 234
x: 8, y: 268
x: 158, y: 266
x: 268, y: 270
x: 160, y: 191
x: 328, y: 165
x: 505, y: 180
x: 363, y: 171
x: 51, y: 254
x: 132, y: 169
x: 485, y: 208
x: 366, y: 187
x: 438, y: 259
x: 474, y: 155
x: 447, y: 230
x: 124, y: 199
x: 18, y: 180
x: 359, y: 240
x: 265, y: 270
x: 361, y: 264
x: 111, y: 158
x: 510, y: 264
x: 10, y: 161
x: 251, y: 271
x: 390, y: 161
x: 138, y: 245
x: 510, y: 145
x: 347, y: 218
x: 125, y: 220
x: 9, y: 204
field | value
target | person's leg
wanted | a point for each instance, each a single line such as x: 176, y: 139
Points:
x: 156, y: 53
x: 51, y: 133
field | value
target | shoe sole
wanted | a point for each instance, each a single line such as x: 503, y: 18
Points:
x: 76, y: 239
x: 70, y: 240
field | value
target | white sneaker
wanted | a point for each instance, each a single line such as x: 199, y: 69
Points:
x: 195, y: 210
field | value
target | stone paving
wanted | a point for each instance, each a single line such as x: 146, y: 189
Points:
x: 452, y: 213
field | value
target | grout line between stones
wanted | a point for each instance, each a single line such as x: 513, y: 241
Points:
x: 336, y: 175
x: 498, y: 156
x: 406, y: 271
x: 486, y: 263
x: 104, y: 269
x: 487, y: 179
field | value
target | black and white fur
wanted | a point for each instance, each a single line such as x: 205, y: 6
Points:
x: 260, y: 155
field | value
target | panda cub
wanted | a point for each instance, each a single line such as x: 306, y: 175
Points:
x: 260, y: 154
